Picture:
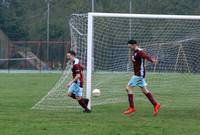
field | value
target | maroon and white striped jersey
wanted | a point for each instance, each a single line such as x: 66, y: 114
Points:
x: 77, y: 68
x: 138, y: 59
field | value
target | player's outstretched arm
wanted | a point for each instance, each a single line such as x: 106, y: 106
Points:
x: 144, y: 55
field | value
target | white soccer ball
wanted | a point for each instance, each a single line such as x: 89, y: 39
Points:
x: 96, y: 92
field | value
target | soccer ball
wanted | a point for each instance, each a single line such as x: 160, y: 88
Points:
x: 96, y: 92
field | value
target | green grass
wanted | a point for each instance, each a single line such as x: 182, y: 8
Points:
x: 178, y: 94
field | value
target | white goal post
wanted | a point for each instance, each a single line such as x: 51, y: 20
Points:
x: 90, y: 26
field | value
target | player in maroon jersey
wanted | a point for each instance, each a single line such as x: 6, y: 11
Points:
x: 138, y: 59
x: 75, y: 86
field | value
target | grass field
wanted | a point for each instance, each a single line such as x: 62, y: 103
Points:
x: 178, y: 94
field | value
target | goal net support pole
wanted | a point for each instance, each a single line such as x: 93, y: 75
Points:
x: 181, y: 50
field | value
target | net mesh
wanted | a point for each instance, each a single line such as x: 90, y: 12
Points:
x: 175, y: 42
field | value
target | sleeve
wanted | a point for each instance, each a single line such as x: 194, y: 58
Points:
x: 142, y: 54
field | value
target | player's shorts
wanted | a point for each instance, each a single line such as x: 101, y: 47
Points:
x: 137, y: 81
x: 76, y: 89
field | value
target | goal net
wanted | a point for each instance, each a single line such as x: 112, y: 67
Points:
x: 100, y: 40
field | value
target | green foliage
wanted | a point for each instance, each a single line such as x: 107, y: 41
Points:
x: 26, y: 19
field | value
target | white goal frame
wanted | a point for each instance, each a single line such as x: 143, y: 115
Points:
x: 91, y: 16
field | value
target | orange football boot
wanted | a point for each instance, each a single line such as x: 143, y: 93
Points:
x: 156, y: 109
x: 130, y: 110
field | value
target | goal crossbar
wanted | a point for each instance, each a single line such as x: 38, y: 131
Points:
x: 152, y: 16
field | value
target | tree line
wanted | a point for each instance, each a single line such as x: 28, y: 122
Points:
x: 26, y: 19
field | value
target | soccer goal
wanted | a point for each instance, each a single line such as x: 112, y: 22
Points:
x: 100, y: 40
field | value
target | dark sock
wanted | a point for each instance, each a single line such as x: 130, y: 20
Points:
x: 73, y: 96
x: 130, y: 99
x: 86, y: 101
x: 82, y: 103
x: 151, y: 98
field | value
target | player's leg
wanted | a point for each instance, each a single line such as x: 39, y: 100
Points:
x: 151, y: 98
x: 78, y: 91
x: 71, y: 91
x: 130, y: 94
x: 83, y: 105
x: 149, y: 95
x: 75, y: 92
x: 86, y: 100
x: 129, y: 90
x: 81, y: 100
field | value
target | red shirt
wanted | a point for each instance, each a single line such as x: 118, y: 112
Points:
x: 138, y: 59
x: 77, y: 68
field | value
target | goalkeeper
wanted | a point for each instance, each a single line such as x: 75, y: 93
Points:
x: 138, y: 59
x: 75, y: 86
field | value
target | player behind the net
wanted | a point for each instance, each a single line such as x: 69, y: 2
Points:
x: 75, y: 86
x: 138, y: 59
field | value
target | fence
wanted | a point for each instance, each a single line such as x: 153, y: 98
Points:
x: 34, y: 55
